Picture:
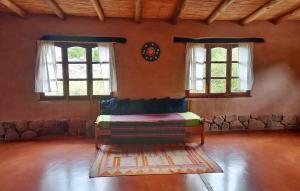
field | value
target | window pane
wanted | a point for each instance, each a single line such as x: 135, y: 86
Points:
x: 218, y: 70
x: 78, y: 88
x: 235, y: 70
x: 218, y: 86
x: 77, y: 71
x: 58, y: 57
x: 60, y: 90
x: 235, y: 54
x: 76, y: 54
x: 200, y: 86
x: 101, y: 71
x: 95, y: 54
x: 101, y: 87
x: 235, y: 85
x: 218, y: 54
x: 200, y: 70
x: 59, y: 71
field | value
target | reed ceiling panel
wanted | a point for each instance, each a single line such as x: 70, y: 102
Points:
x: 118, y: 8
x: 34, y: 6
x: 199, y: 10
x: 159, y: 9
x: 240, y: 9
x: 77, y: 7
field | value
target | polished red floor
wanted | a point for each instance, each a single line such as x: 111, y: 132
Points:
x: 252, y: 161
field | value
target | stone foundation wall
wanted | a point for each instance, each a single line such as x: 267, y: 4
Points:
x: 250, y: 122
x: 24, y: 130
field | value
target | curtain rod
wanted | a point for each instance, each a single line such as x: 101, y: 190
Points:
x: 83, y: 39
x: 217, y: 40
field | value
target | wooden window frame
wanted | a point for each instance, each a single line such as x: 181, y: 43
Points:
x: 228, y: 62
x: 65, y: 72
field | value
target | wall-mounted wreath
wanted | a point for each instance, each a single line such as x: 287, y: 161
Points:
x: 150, y: 51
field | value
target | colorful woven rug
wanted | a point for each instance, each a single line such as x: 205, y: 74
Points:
x: 152, y: 159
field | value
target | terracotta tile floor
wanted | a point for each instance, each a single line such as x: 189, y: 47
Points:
x: 252, y: 161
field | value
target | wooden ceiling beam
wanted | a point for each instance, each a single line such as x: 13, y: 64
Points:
x: 286, y: 15
x: 99, y: 9
x: 14, y: 7
x: 260, y: 11
x: 222, y: 7
x: 178, y: 9
x: 56, y: 8
x: 138, y: 11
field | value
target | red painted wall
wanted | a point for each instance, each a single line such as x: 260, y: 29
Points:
x: 276, y: 65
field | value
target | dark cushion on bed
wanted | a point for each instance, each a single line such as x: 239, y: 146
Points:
x: 178, y: 105
x: 113, y: 106
x: 164, y: 105
x: 108, y: 105
x: 136, y: 107
x: 121, y: 107
x: 151, y: 106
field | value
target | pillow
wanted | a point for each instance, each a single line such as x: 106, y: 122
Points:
x: 121, y: 107
x: 136, y: 107
x: 178, y: 105
x: 151, y: 106
x: 164, y: 105
x: 107, y: 105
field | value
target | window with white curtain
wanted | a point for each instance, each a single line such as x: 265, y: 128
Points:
x: 81, y: 70
x: 219, y: 70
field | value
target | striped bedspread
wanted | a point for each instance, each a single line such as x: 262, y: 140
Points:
x: 171, y: 125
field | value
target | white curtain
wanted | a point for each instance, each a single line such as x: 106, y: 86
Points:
x: 106, y: 54
x: 246, y: 66
x: 195, y: 66
x: 45, y: 71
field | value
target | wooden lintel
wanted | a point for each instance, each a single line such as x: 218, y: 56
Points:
x: 260, y: 11
x: 14, y: 7
x: 56, y: 8
x: 178, y: 9
x: 138, y: 11
x: 99, y: 10
x: 92, y: 39
x: 218, y: 40
x: 222, y: 7
x: 286, y: 15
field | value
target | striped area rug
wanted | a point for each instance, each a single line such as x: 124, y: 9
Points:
x: 133, y: 159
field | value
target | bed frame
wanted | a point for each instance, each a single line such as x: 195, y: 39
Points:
x: 192, y: 132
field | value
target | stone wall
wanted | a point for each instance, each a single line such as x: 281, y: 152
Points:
x: 24, y: 130
x: 250, y: 122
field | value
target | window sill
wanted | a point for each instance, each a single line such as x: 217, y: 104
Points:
x: 73, y: 98
x: 218, y: 95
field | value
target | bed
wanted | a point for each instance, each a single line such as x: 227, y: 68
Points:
x: 148, y: 126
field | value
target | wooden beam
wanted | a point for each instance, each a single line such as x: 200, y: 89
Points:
x: 286, y: 16
x: 99, y: 10
x: 260, y: 11
x: 222, y: 7
x: 14, y: 7
x: 56, y: 8
x: 138, y: 10
x: 178, y: 9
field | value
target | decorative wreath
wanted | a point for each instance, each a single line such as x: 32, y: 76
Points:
x: 150, y: 51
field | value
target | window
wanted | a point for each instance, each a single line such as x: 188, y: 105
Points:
x: 217, y: 70
x: 80, y: 72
